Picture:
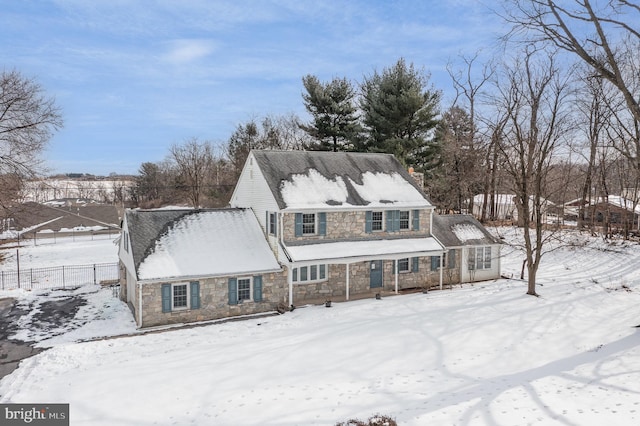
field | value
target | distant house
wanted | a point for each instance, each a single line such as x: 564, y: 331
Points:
x: 307, y: 227
x: 499, y: 207
x: 34, y: 220
x: 617, y: 211
x: 504, y: 207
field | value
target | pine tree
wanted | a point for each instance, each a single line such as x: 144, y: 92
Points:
x: 400, y: 114
x: 335, y: 121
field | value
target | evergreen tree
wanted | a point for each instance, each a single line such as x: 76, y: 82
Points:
x: 399, y: 114
x: 335, y: 121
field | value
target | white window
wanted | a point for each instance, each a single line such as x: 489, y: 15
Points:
x: 179, y: 296
x: 404, y: 219
x: 272, y: 223
x: 308, y: 223
x: 244, y: 288
x: 403, y: 265
x: 312, y: 273
x: 480, y: 258
x: 125, y: 241
x: 376, y: 221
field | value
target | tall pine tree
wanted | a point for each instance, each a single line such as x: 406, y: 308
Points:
x: 400, y: 114
x: 335, y: 121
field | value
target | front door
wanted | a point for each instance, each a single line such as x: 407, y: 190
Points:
x: 375, y: 270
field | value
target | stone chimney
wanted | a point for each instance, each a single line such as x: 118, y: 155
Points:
x: 418, y: 177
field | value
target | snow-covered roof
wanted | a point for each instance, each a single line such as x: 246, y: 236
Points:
x: 460, y: 230
x: 349, y: 251
x: 624, y: 203
x: 198, y: 243
x: 330, y: 180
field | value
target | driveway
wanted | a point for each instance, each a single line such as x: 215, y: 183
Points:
x: 50, y: 315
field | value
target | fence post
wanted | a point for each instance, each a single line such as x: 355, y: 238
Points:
x: 63, y: 279
x: 31, y: 278
x: 94, y: 274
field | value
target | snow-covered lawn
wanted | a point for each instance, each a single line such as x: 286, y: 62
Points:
x: 481, y: 354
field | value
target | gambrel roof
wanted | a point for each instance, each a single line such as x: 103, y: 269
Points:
x: 325, y: 180
x: 459, y: 230
x: 197, y: 243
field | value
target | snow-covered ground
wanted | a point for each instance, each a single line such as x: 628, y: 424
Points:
x: 479, y: 354
x: 48, y: 252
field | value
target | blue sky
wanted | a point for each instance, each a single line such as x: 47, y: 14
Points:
x: 134, y: 76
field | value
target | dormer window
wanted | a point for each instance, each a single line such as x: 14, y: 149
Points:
x: 308, y: 224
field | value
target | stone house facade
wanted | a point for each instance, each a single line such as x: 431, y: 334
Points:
x: 302, y: 227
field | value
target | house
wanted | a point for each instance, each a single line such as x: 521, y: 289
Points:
x: 473, y: 254
x: 302, y: 227
x: 615, y: 210
x: 190, y: 265
x: 505, y: 208
x: 35, y: 220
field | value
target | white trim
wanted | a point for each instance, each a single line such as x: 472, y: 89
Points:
x: 189, y: 278
x: 250, y: 299
x: 188, y: 305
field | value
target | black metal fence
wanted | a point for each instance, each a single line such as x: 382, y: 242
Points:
x: 59, y: 276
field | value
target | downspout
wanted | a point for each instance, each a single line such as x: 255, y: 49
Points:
x: 139, y: 304
x: 290, y: 263
x: 347, y: 289
x: 397, y: 273
x: 441, y: 267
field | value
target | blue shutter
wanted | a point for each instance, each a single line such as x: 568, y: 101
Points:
x: 233, y: 291
x: 298, y: 224
x: 257, y: 288
x: 416, y: 220
x: 322, y: 223
x: 266, y: 223
x: 435, y: 263
x: 452, y: 259
x: 396, y: 220
x: 394, y: 266
x: 368, y: 222
x: 415, y: 264
x: 166, y: 297
x: 275, y: 223
x: 389, y: 214
x: 195, y: 295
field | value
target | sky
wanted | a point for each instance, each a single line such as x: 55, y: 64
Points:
x: 133, y: 77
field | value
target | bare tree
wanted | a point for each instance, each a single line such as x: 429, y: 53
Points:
x: 534, y: 94
x: 193, y: 160
x: 605, y: 35
x: 27, y: 121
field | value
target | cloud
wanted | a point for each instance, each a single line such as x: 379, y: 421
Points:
x: 184, y: 51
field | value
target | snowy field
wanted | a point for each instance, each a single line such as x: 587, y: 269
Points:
x: 483, y: 354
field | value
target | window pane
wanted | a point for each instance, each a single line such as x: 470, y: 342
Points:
x: 404, y: 219
x: 309, y: 223
x: 303, y: 273
x: 314, y: 272
x: 403, y: 265
x: 244, y: 289
x: 376, y: 221
x: 487, y: 258
x: 323, y: 272
x: 272, y: 223
x: 295, y: 274
x: 180, y: 296
x: 479, y: 253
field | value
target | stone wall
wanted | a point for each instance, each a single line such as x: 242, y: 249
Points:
x: 214, y: 301
x: 351, y: 225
